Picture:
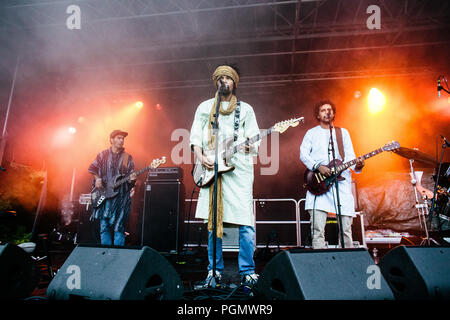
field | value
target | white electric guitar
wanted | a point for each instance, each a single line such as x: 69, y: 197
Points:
x: 203, y: 177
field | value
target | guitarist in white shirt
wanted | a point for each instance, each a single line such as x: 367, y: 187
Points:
x: 315, y: 153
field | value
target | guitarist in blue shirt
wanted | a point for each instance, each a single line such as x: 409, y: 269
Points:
x: 113, y: 213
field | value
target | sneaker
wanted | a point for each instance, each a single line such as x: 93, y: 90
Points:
x: 249, y: 280
x: 209, y: 278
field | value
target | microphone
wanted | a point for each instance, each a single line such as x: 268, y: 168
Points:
x: 439, y: 87
x: 330, y: 118
x: 223, y: 87
x: 445, y: 140
x: 222, y: 84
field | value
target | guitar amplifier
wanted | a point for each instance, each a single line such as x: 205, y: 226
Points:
x: 165, y: 174
x: 162, y: 218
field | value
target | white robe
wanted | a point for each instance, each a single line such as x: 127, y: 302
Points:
x: 315, y: 150
x: 237, y: 185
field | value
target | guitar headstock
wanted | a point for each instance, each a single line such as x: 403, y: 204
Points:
x: 284, y: 125
x: 391, y: 146
x: 157, y: 162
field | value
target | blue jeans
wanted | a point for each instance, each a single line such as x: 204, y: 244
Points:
x: 246, y: 250
x: 105, y: 234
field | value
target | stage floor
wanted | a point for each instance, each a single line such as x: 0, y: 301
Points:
x: 191, y: 266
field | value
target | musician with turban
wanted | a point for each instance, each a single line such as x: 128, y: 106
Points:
x: 234, y: 188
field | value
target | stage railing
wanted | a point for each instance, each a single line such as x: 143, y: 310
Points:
x: 231, y: 235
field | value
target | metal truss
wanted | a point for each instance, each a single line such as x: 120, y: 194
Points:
x: 283, y: 34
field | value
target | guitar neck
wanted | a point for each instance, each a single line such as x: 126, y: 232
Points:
x: 252, y: 140
x: 350, y: 163
x: 123, y: 180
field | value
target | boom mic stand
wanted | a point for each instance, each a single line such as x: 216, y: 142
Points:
x: 338, y: 213
x: 215, y: 126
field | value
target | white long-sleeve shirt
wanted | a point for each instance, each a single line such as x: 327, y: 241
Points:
x: 315, y: 150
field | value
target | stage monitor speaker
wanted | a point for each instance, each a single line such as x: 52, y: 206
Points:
x: 327, y: 274
x: 115, y: 273
x: 162, y: 216
x: 19, y: 274
x: 418, y: 272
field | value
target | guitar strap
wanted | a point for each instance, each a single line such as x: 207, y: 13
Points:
x: 237, y: 115
x: 126, y: 157
x: 339, y: 142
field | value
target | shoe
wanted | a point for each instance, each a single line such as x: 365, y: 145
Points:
x: 249, y: 280
x: 209, y: 279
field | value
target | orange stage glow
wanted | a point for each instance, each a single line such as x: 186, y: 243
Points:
x: 376, y: 101
x: 415, y: 117
x: 122, y: 119
x: 62, y: 137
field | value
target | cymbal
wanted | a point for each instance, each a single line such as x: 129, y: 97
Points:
x: 417, y: 155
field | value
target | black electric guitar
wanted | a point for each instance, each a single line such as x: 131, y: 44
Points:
x: 203, y: 177
x: 99, y: 195
x: 318, y: 184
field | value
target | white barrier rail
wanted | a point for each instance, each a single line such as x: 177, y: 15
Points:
x: 297, y: 220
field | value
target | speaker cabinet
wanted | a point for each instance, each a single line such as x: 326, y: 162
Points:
x: 418, y: 272
x: 162, y: 216
x: 88, y: 231
x: 19, y: 274
x: 115, y: 273
x: 344, y: 274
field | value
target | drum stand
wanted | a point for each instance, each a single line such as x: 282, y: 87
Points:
x: 422, y: 209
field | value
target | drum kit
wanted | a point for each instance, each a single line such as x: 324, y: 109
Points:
x: 424, y: 197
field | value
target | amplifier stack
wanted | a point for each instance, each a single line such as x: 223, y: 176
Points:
x: 162, y: 216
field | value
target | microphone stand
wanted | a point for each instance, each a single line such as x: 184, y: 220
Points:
x: 433, y: 201
x: 338, y: 213
x: 439, y: 87
x: 215, y: 126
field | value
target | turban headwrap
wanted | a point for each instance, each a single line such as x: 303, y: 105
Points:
x: 218, y: 73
